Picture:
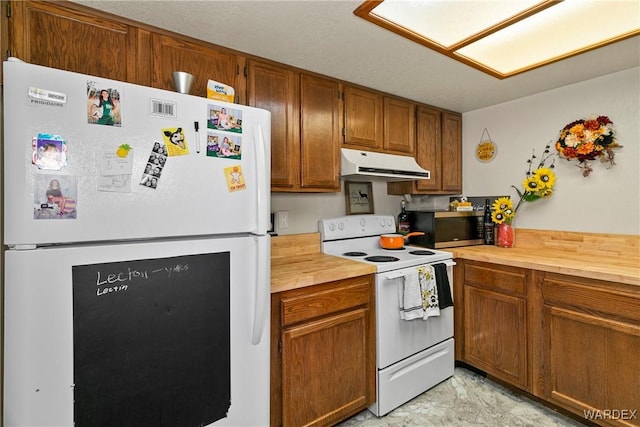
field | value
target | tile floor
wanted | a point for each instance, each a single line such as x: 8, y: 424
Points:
x: 466, y: 399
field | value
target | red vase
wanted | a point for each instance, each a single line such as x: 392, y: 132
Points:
x: 505, y: 235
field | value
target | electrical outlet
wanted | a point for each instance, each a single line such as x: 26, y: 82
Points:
x: 283, y: 219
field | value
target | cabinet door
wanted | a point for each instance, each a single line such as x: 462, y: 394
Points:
x: 451, y: 152
x: 363, y: 119
x: 429, y: 148
x: 55, y: 35
x: 399, y: 126
x: 591, y: 334
x: 495, y: 321
x: 325, y: 369
x: 200, y: 59
x: 495, y: 334
x: 320, y: 133
x: 276, y: 89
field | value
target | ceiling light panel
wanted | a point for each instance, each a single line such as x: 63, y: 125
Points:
x: 507, y: 37
x: 449, y: 22
x: 567, y: 28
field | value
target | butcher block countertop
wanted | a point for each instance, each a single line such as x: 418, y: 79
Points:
x: 296, y: 262
x: 610, y: 257
x: 614, y: 270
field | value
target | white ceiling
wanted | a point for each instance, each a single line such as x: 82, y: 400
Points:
x: 327, y: 38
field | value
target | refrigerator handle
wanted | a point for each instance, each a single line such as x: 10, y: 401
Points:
x: 262, y: 284
x: 262, y: 184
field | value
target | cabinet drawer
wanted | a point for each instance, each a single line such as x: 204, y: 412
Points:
x: 591, y: 296
x: 311, y: 302
x: 511, y: 280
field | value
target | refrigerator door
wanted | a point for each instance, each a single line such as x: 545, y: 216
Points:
x: 144, y: 194
x: 164, y: 333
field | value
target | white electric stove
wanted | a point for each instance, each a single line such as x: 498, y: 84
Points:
x: 411, y: 356
x: 357, y: 237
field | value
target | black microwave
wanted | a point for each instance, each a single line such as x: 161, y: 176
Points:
x: 447, y: 229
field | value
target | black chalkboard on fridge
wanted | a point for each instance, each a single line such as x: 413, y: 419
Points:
x: 151, y: 342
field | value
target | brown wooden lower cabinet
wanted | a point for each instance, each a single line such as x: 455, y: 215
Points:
x: 591, y: 353
x: 323, y: 353
x: 495, y: 321
x: 573, y: 342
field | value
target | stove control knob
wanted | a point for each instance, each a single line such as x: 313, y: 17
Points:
x: 389, y: 222
x: 332, y: 226
x: 381, y: 222
x: 340, y: 226
x: 363, y: 222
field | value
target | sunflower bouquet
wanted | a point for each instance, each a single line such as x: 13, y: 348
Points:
x: 588, y: 139
x: 538, y: 184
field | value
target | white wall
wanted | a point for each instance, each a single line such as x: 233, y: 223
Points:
x: 607, y: 201
x: 305, y: 210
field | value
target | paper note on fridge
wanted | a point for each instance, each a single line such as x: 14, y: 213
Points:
x: 115, y: 183
x: 118, y: 161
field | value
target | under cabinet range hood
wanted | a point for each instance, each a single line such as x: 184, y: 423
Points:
x: 356, y: 163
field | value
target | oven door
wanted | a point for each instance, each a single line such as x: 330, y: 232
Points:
x: 398, y: 339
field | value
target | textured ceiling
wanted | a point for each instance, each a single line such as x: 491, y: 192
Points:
x: 327, y: 38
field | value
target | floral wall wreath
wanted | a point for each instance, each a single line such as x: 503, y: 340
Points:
x: 586, y: 140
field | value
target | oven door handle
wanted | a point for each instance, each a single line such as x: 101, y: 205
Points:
x: 394, y: 275
x: 398, y: 274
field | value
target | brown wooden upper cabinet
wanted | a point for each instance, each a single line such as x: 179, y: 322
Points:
x: 202, y: 60
x: 72, y: 38
x: 305, y: 126
x: 399, y: 126
x: 363, y: 119
x: 439, y: 150
x: 429, y: 148
x: 376, y: 122
x: 320, y: 124
x: 277, y: 89
x: 451, y: 153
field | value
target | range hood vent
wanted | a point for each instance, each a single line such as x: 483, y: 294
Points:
x: 356, y: 163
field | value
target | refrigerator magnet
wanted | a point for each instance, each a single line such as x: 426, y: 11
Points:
x: 224, y: 118
x: 55, y: 197
x: 175, y: 141
x: 155, y: 165
x: 104, y: 104
x: 235, y: 178
x: 224, y: 145
x: 38, y: 96
x: 49, y: 151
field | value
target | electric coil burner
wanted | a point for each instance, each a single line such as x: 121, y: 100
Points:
x: 422, y: 252
x: 411, y: 356
x: 382, y: 258
x: 354, y: 253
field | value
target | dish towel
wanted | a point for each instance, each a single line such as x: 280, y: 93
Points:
x: 411, y: 298
x: 429, y: 290
x: 444, y: 289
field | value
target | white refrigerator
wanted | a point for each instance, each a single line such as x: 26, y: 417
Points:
x: 136, y: 255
